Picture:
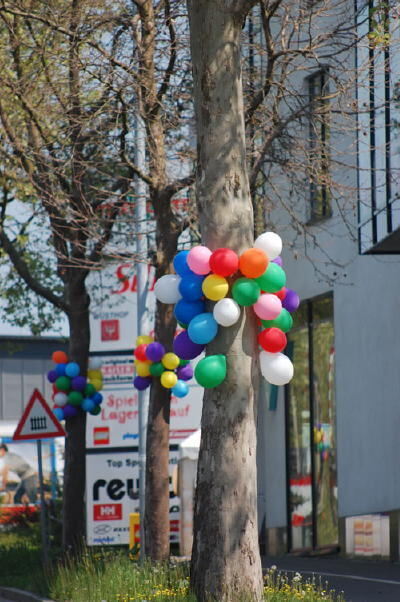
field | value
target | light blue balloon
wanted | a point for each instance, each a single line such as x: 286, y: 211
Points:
x: 88, y: 404
x: 180, y: 389
x: 72, y: 369
x: 58, y: 413
x: 202, y: 328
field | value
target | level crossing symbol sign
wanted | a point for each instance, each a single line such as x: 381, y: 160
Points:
x: 38, y: 421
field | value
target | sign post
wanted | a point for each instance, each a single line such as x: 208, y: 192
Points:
x: 38, y: 422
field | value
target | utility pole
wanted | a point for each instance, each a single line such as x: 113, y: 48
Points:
x: 142, y: 322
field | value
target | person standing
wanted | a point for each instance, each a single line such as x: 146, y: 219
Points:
x: 28, y: 481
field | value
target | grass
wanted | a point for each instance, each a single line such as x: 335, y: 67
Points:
x: 20, y: 560
x: 111, y: 575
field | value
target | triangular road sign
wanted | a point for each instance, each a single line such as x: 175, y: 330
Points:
x: 38, y: 421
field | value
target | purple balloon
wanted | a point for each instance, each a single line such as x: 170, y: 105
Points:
x: 185, y: 372
x: 155, y: 351
x: 52, y: 376
x: 70, y: 411
x: 142, y: 382
x: 278, y: 261
x: 291, y: 301
x: 78, y: 383
x: 185, y: 348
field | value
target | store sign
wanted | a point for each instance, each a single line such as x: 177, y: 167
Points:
x: 112, y: 493
x: 118, y: 423
x: 114, y: 306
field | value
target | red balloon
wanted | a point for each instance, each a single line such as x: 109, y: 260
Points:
x: 224, y: 262
x: 140, y: 352
x: 55, y: 390
x: 272, y: 340
x: 281, y: 294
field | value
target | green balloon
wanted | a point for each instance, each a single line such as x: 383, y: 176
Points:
x: 246, y: 291
x: 89, y: 390
x: 156, y: 369
x: 182, y: 325
x: 75, y: 398
x: 284, y: 321
x: 273, y: 279
x: 63, y: 383
x: 211, y: 371
x: 184, y: 362
x: 96, y: 410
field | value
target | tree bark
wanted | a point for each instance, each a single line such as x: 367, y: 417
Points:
x: 157, y: 447
x: 225, y: 561
x: 75, y: 443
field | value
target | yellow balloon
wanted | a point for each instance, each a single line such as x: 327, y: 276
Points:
x: 168, y: 379
x: 170, y: 361
x: 215, y: 287
x: 142, y: 368
x: 143, y: 339
x: 95, y: 375
x: 97, y: 383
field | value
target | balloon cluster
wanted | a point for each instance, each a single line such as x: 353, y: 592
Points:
x: 152, y: 360
x: 72, y: 391
x: 203, y: 274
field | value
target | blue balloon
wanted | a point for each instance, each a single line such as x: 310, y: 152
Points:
x: 88, y: 404
x: 180, y: 389
x: 202, y: 329
x: 60, y: 369
x: 180, y: 264
x: 97, y: 398
x: 72, y: 369
x: 58, y: 413
x: 185, y: 311
x: 190, y: 287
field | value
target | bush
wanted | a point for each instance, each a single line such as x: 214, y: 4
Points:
x: 19, y: 516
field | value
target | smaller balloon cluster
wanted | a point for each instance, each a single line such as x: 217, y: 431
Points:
x: 202, y: 274
x: 153, y: 361
x: 73, y: 392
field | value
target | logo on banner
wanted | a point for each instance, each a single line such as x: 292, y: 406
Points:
x: 101, y: 435
x: 110, y: 330
x: 107, y: 512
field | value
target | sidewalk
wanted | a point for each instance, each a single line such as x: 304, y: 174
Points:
x: 361, y: 581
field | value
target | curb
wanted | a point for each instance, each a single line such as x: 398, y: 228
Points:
x: 19, y: 595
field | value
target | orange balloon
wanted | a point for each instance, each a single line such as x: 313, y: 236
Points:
x: 253, y: 263
x: 59, y: 357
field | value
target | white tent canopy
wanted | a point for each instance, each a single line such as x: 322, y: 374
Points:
x: 189, y: 447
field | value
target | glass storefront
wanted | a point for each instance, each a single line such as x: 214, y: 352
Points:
x: 312, y: 483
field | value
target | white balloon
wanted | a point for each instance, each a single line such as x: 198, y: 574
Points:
x: 270, y: 243
x: 276, y: 368
x: 60, y: 399
x: 95, y: 363
x: 166, y: 288
x: 226, y: 312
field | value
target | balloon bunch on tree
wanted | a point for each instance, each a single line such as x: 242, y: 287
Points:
x: 73, y: 392
x: 202, y: 274
x: 153, y: 361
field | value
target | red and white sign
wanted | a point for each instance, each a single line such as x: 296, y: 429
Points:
x: 101, y: 435
x: 38, y: 421
x: 107, y: 511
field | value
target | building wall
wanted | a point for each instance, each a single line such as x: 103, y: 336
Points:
x: 24, y: 363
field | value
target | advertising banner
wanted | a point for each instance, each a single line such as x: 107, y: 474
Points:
x: 114, y: 305
x: 117, y: 424
x: 112, y: 493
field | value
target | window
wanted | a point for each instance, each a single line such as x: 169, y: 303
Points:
x: 310, y: 427
x: 320, y: 203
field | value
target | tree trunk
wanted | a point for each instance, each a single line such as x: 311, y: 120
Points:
x: 157, y: 446
x: 75, y: 443
x: 225, y: 561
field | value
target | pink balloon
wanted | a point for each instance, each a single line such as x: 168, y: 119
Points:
x: 268, y: 307
x: 198, y: 260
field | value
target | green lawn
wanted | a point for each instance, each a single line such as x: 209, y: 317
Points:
x: 112, y: 575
